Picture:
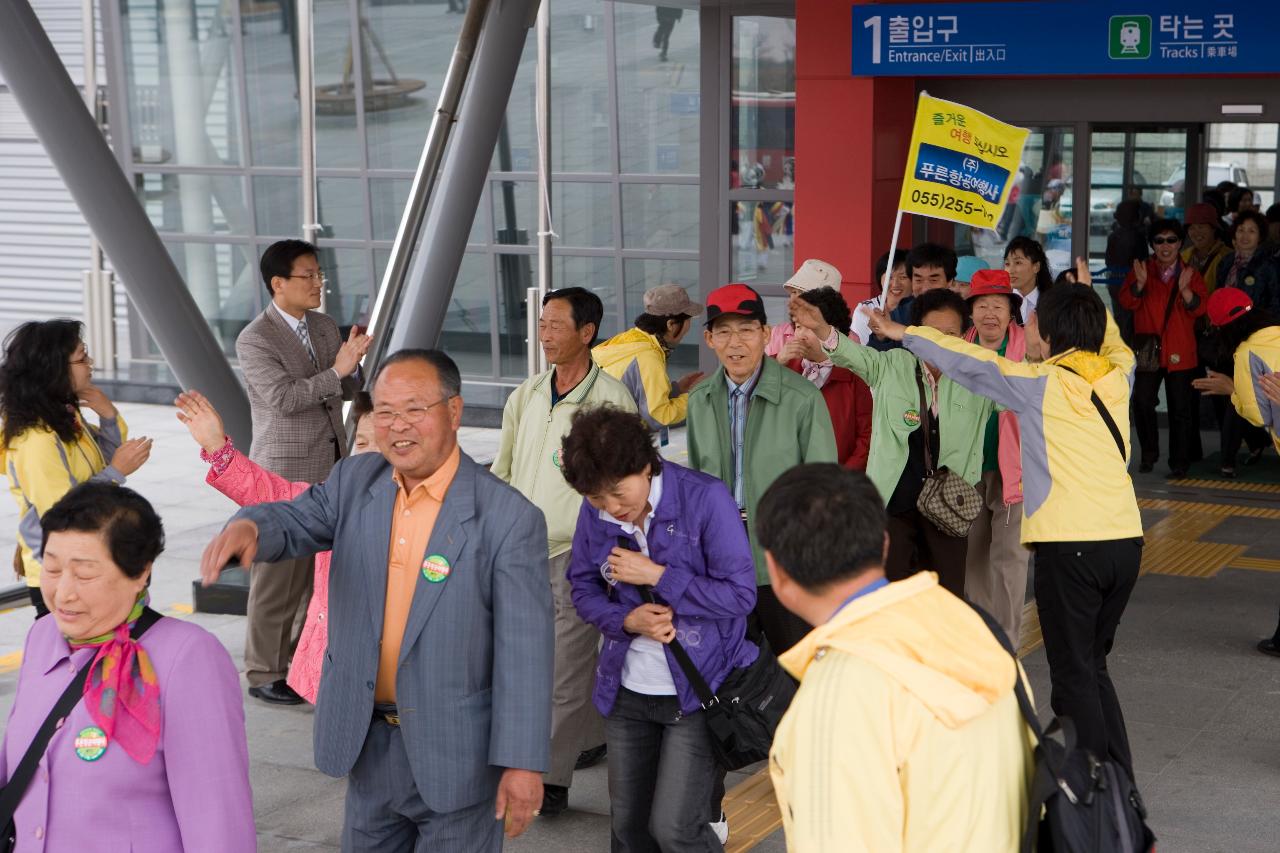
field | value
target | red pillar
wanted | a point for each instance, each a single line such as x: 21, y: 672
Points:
x: 852, y: 136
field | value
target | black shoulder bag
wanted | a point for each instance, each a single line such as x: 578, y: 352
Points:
x: 1106, y: 416
x: 13, y: 791
x: 744, y: 713
x: 1077, y: 803
x: 1146, y: 347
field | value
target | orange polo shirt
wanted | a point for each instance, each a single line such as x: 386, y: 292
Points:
x: 411, y: 524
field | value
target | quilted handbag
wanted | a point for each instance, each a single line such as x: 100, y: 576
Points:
x: 946, y: 499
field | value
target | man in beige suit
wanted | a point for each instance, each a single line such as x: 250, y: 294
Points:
x: 298, y: 371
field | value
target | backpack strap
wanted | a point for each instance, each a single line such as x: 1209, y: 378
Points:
x: 1106, y: 416
x: 17, y: 785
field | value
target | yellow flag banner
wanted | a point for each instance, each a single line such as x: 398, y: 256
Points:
x: 961, y: 165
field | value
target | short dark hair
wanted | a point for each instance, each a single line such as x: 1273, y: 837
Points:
x: 659, y: 324
x: 1273, y: 213
x: 1217, y: 198
x: 822, y: 523
x: 1226, y: 187
x: 446, y: 369
x: 585, y: 305
x: 933, y: 255
x: 125, y: 520
x: 1034, y: 252
x: 605, y: 445
x: 898, y: 259
x: 361, y: 404
x: 835, y: 311
x: 1249, y: 216
x: 278, y: 260
x: 1160, y: 226
x: 1236, y: 196
x: 938, y: 299
x: 1072, y: 318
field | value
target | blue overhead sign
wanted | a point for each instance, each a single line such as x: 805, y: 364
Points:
x: 1082, y: 38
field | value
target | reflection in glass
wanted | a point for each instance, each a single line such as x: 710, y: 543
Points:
x: 278, y: 203
x: 595, y: 274
x: 271, y: 71
x: 387, y: 199
x: 763, y: 237
x: 348, y: 292
x: 218, y: 201
x: 660, y: 216
x: 1040, y: 206
x: 659, y: 101
x: 182, y: 96
x: 580, y: 138
x: 516, y: 273
x: 224, y: 280
x: 762, y: 113
x: 338, y: 141
x: 1244, y: 154
x: 404, y: 51
x: 465, y: 336
x: 582, y: 213
x: 340, y: 207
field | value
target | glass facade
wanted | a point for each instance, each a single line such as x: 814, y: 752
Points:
x: 212, y: 136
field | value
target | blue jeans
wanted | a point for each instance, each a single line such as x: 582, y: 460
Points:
x: 661, y: 773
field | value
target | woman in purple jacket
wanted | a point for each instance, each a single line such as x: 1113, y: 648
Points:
x: 153, y: 755
x: 647, y: 522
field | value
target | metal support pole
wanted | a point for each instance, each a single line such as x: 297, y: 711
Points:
x: 306, y: 126
x: 426, y: 296
x: 542, y: 108
x: 99, y: 298
x: 49, y: 99
x: 387, y: 302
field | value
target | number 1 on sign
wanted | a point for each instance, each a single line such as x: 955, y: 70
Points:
x: 873, y: 24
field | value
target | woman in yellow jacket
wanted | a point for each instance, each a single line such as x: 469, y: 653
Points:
x: 46, y: 446
x: 638, y: 357
x: 1253, y: 337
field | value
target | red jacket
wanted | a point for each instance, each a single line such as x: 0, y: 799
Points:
x: 1178, y: 341
x: 849, y: 402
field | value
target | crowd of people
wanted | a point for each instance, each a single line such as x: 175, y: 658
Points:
x: 866, y: 497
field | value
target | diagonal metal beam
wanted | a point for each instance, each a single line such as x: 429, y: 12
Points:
x: 44, y: 90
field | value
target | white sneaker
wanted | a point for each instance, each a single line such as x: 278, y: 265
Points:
x: 721, y: 829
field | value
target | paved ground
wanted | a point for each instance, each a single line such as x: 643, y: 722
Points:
x: 1200, y: 702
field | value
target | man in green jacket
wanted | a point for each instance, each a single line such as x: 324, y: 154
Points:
x: 748, y: 423
x: 534, y: 422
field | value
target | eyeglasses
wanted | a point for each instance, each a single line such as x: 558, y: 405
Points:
x: 385, y: 417
x: 84, y: 359
x: 312, y: 276
x: 724, y: 335
x: 1160, y: 241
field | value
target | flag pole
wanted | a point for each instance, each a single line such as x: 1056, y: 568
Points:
x: 893, y: 247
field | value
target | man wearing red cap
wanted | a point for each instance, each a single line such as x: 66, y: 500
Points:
x: 751, y: 421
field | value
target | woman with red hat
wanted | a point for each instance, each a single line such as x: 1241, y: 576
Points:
x: 1253, y: 336
x: 996, y: 569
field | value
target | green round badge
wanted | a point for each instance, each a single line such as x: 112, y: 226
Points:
x: 911, y: 418
x: 91, y: 743
x: 1249, y: 280
x: 435, y: 568
x: 555, y: 459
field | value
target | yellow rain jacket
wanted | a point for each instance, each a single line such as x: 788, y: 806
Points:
x: 42, y: 468
x: 1075, y: 483
x: 1259, y: 354
x: 905, y: 734
x: 637, y: 360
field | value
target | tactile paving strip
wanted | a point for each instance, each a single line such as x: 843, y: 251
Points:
x: 1232, y: 485
x: 752, y: 811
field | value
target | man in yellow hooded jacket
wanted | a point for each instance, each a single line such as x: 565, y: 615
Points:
x: 905, y: 733
x: 1080, y: 512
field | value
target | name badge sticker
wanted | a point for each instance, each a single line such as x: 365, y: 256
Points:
x: 91, y: 743
x: 435, y: 568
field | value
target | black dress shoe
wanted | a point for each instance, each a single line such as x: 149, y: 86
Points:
x: 276, y: 693
x: 1177, y: 474
x: 555, y: 799
x: 591, y: 757
x: 1254, y: 456
x: 1269, y: 647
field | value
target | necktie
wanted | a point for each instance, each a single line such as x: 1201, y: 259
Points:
x: 306, y: 342
x: 738, y: 428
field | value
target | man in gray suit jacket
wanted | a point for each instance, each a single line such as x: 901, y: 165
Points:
x: 435, y: 698
x: 298, y: 371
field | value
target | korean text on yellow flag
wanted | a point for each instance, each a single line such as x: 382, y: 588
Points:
x: 961, y: 165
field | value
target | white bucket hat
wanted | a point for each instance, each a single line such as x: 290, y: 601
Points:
x: 814, y: 274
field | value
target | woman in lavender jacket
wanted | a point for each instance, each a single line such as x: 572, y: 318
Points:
x: 153, y: 757
x: 649, y: 522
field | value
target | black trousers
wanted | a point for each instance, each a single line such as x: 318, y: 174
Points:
x: 916, y: 544
x: 1236, y: 431
x: 1081, y: 592
x: 1182, y: 416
